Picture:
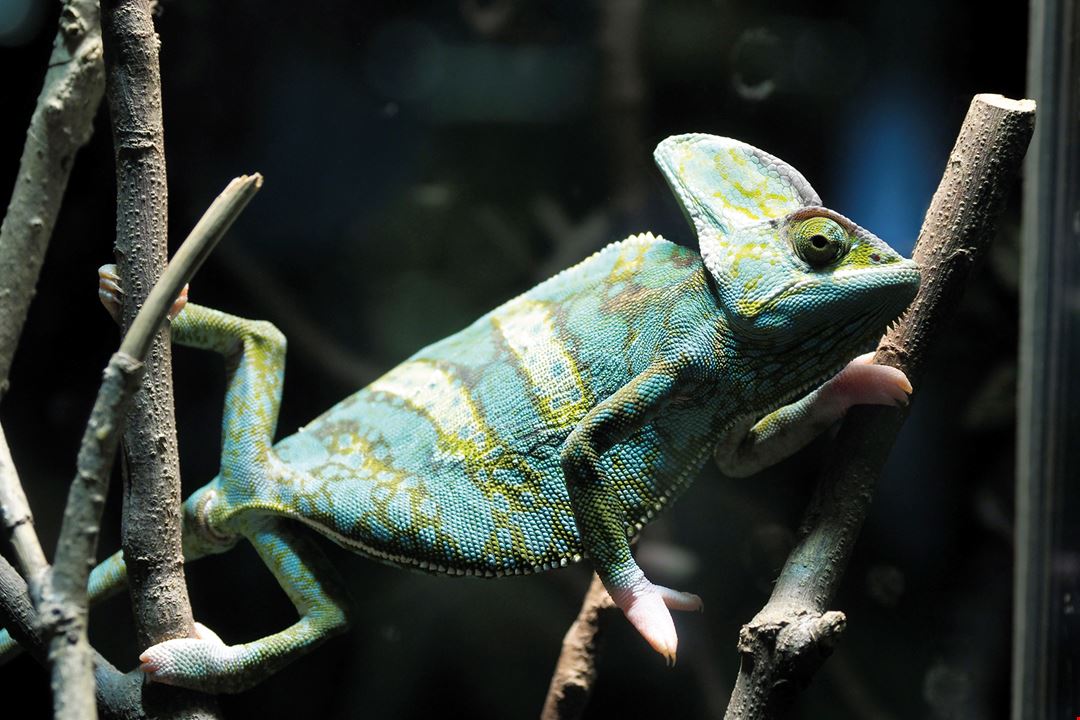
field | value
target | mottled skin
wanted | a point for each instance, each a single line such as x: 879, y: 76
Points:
x: 556, y: 426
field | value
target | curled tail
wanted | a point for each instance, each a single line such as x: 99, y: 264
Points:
x: 107, y: 579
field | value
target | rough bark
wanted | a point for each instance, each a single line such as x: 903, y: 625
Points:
x: 575, y: 671
x: 150, y: 532
x: 783, y: 646
x: 61, y: 124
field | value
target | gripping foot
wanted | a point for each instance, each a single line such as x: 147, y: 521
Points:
x: 648, y: 606
x: 187, y: 662
x: 110, y: 292
x: 862, y: 382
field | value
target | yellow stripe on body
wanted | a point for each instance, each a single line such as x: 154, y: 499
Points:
x: 444, y: 400
x: 560, y: 395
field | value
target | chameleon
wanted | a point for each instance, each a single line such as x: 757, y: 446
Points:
x: 557, y: 426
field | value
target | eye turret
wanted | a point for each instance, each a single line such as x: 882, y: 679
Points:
x: 820, y: 241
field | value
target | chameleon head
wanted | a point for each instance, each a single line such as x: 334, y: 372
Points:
x: 789, y: 273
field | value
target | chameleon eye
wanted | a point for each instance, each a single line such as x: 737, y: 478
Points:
x: 819, y: 241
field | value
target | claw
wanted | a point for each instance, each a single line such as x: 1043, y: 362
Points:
x: 647, y: 607
x: 179, y: 303
x: 864, y: 383
x: 110, y: 292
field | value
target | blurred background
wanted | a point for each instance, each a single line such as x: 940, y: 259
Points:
x: 427, y: 161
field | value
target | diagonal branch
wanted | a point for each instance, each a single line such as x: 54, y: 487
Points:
x: 787, y: 641
x: 61, y: 124
x: 63, y: 598
x: 575, y: 672
x: 17, y: 519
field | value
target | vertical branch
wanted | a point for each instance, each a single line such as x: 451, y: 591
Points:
x: 151, y: 524
x: 786, y: 642
x: 61, y: 124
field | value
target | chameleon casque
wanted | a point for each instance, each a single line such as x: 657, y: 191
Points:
x: 555, y: 427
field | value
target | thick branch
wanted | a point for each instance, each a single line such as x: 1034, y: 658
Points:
x: 61, y: 124
x: 789, y: 639
x: 575, y: 671
x: 151, y: 499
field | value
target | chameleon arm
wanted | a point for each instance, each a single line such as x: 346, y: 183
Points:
x: 744, y: 451
x: 107, y: 579
x: 208, y: 664
x: 602, y: 520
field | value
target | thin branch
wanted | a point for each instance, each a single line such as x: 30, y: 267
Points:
x: 61, y: 124
x: 63, y: 603
x: 787, y: 641
x: 575, y: 671
x: 17, y: 518
x: 211, y: 227
x: 623, y: 101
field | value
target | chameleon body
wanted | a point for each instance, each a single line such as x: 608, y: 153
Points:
x: 558, y: 425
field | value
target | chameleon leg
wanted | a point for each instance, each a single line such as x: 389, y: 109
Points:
x: 602, y: 521
x: 208, y: 664
x: 744, y: 451
x: 107, y: 579
x: 255, y: 359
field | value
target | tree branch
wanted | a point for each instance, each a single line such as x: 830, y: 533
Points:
x: 575, y: 671
x: 17, y: 518
x: 61, y: 124
x: 151, y: 499
x: 63, y: 603
x: 792, y: 635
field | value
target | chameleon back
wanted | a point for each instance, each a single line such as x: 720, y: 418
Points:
x: 450, y: 461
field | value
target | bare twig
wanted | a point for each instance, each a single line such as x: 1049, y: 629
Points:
x: 791, y: 636
x: 61, y: 124
x: 63, y: 600
x: 17, y: 519
x: 575, y: 671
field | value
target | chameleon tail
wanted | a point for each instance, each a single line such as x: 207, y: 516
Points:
x: 106, y: 580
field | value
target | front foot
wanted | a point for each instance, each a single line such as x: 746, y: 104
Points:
x: 648, y: 606
x: 862, y: 382
x: 200, y: 663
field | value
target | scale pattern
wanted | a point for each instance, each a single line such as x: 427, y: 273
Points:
x: 451, y: 461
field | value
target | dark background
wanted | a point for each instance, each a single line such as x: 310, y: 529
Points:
x: 427, y: 161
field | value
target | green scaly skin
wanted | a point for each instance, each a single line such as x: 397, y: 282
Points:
x: 559, y: 424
